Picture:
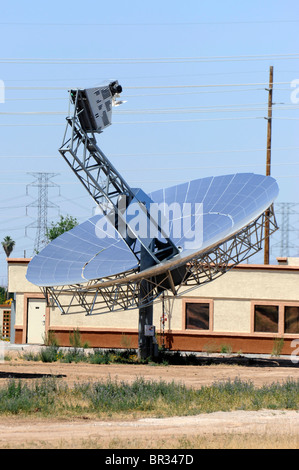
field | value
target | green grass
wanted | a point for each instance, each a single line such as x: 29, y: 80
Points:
x: 49, y: 397
x: 16, y: 397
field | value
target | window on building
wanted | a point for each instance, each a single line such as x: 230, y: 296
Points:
x: 197, y: 315
x: 291, y: 319
x: 6, y: 324
x: 266, y: 318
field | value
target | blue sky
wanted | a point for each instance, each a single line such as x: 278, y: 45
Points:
x: 194, y: 75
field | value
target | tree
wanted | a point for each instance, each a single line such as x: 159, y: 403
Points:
x: 63, y: 225
x: 8, y: 245
x: 2, y: 295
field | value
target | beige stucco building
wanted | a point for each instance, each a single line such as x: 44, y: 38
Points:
x: 245, y: 310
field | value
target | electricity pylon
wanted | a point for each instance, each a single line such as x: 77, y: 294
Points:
x: 43, y: 183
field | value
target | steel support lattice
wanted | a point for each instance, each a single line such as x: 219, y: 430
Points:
x: 122, y: 292
x: 101, y: 179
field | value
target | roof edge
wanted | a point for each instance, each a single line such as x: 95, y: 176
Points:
x: 18, y: 260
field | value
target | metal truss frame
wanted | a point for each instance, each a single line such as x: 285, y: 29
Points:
x: 97, y: 174
x: 123, y: 292
x: 103, y: 182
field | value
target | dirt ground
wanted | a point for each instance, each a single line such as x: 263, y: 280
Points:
x: 19, y: 432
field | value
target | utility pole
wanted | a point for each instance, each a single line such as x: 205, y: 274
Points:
x: 268, y: 160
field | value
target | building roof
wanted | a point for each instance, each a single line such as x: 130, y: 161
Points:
x: 284, y: 264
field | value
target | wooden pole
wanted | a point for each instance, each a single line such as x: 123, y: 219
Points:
x: 268, y: 160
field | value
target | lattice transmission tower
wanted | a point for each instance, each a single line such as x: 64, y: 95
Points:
x: 43, y: 181
x: 288, y: 217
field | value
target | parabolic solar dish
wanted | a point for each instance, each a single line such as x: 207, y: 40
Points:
x: 229, y: 203
x: 81, y: 254
x: 221, y: 205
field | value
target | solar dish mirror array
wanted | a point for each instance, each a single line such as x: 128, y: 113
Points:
x: 195, y: 215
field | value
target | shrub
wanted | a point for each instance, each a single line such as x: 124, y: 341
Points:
x: 277, y: 346
x: 75, y: 339
x: 50, y: 339
x: 49, y: 354
x: 226, y: 349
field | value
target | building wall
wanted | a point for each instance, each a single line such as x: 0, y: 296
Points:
x: 17, y: 282
x: 231, y: 300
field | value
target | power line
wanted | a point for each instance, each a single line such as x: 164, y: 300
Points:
x: 34, y: 113
x: 174, y: 24
x: 207, y: 109
x: 33, y: 125
x: 35, y: 99
x: 166, y: 121
x: 158, y: 154
x: 158, y: 181
x: 147, y: 60
x: 134, y: 170
x: 199, y: 120
x: 100, y: 79
x: 152, y: 87
x: 85, y: 59
x: 178, y: 93
x: 184, y: 110
x: 204, y: 86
